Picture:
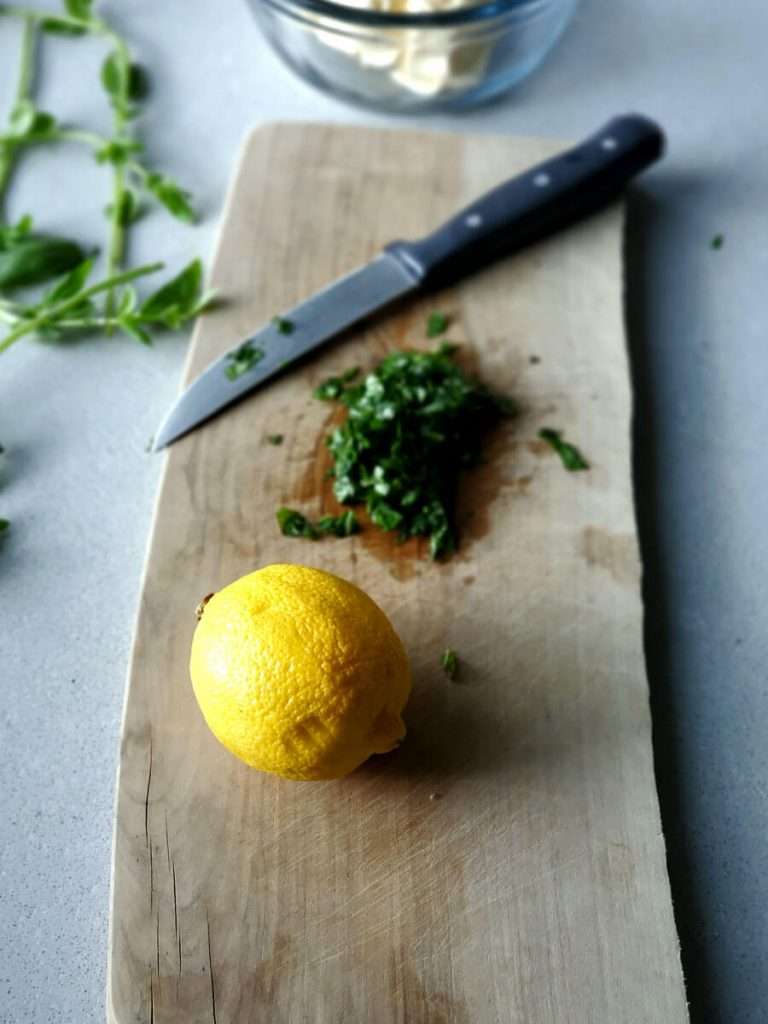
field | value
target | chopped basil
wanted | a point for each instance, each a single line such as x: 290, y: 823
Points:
x: 717, y: 242
x: 282, y: 325
x: 243, y: 359
x: 570, y: 456
x: 275, y: 438
x: 294, y: 524
x: 412, y: 426
x: 340, y: 526
x: 437, y: 324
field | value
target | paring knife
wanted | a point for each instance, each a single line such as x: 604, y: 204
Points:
x: 538, y: 202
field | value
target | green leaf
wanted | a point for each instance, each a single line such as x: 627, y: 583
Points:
x: 717, y: 242
x: 176, y: 300
x: 243, y: 359
x: 4, y: 524
x: 437, y: 324
x: 132, y: 325
x: 127, y: 302
x: 12, y: 234
x: 344, y: 525
x: 27, y: 120
x: 294, y: 524
x: 118, y: 151
x: 32, y: 259
x: 171, y: 195
x: 570, y: 456
x: 114, y: 74
x: 276, y: 439
x: 138, y: 82
x: 129, y: 209
x: 385, y: 516
x: 70, y: 285
x: 62, y: 27
x: 82, y: 9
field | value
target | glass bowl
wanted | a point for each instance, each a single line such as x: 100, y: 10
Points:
x: 440, y: 59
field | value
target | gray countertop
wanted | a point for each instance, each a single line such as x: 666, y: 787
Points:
x: 79, y: 487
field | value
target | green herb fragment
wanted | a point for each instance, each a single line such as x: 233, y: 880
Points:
x: 569, y: 454
x: 243, y: 359
x: 717, y: 242
x: 274, y: 439
x: 330, y: 389
x: 333, y: 387
x: 412, y: 426
x: 283, y: 326
x: 4, y: 524
x: 294, y: 524
x: 339, y: 526
x: 450, y: 662
x: 437, y: 324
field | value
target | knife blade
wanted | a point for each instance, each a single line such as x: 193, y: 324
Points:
x: 544, y: 199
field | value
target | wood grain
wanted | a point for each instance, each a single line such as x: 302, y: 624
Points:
x: 507, y: 863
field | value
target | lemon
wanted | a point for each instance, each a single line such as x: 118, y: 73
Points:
x: 299, y: 673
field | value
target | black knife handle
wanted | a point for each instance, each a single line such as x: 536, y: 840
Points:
x: 540, y: 201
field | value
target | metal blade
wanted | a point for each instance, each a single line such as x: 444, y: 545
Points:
x: 315, y: 321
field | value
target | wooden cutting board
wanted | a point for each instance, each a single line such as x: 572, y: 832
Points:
x: 507, y: 863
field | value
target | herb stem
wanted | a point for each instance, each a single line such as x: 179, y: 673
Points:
x: 14, y: 11
x: 120, y: 106
x: 53, y: 313
x: 8, y: 147
x: 27, y: 62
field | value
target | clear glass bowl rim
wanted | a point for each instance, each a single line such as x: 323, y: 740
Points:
x: 384, y: 19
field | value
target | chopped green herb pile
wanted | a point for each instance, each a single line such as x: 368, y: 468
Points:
x: 275, y: 439
x: 282, y: 325
x: 437, y: 324
x: 450, y: 662
x: 243, y: 359
x: 412, y: 426
x: 570, y: 456
x: 294, y: 524
x: 717, y: 242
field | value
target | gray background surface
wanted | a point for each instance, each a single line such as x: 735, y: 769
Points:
x: 79, y: 487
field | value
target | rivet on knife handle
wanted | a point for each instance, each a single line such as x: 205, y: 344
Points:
x: 544, y: 199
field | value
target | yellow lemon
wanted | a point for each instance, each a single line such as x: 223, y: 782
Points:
x: 299, y: 673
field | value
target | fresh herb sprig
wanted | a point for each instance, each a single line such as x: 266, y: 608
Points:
x: 28, y: 258
x: 69, y: 305
x: 412, y: 426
